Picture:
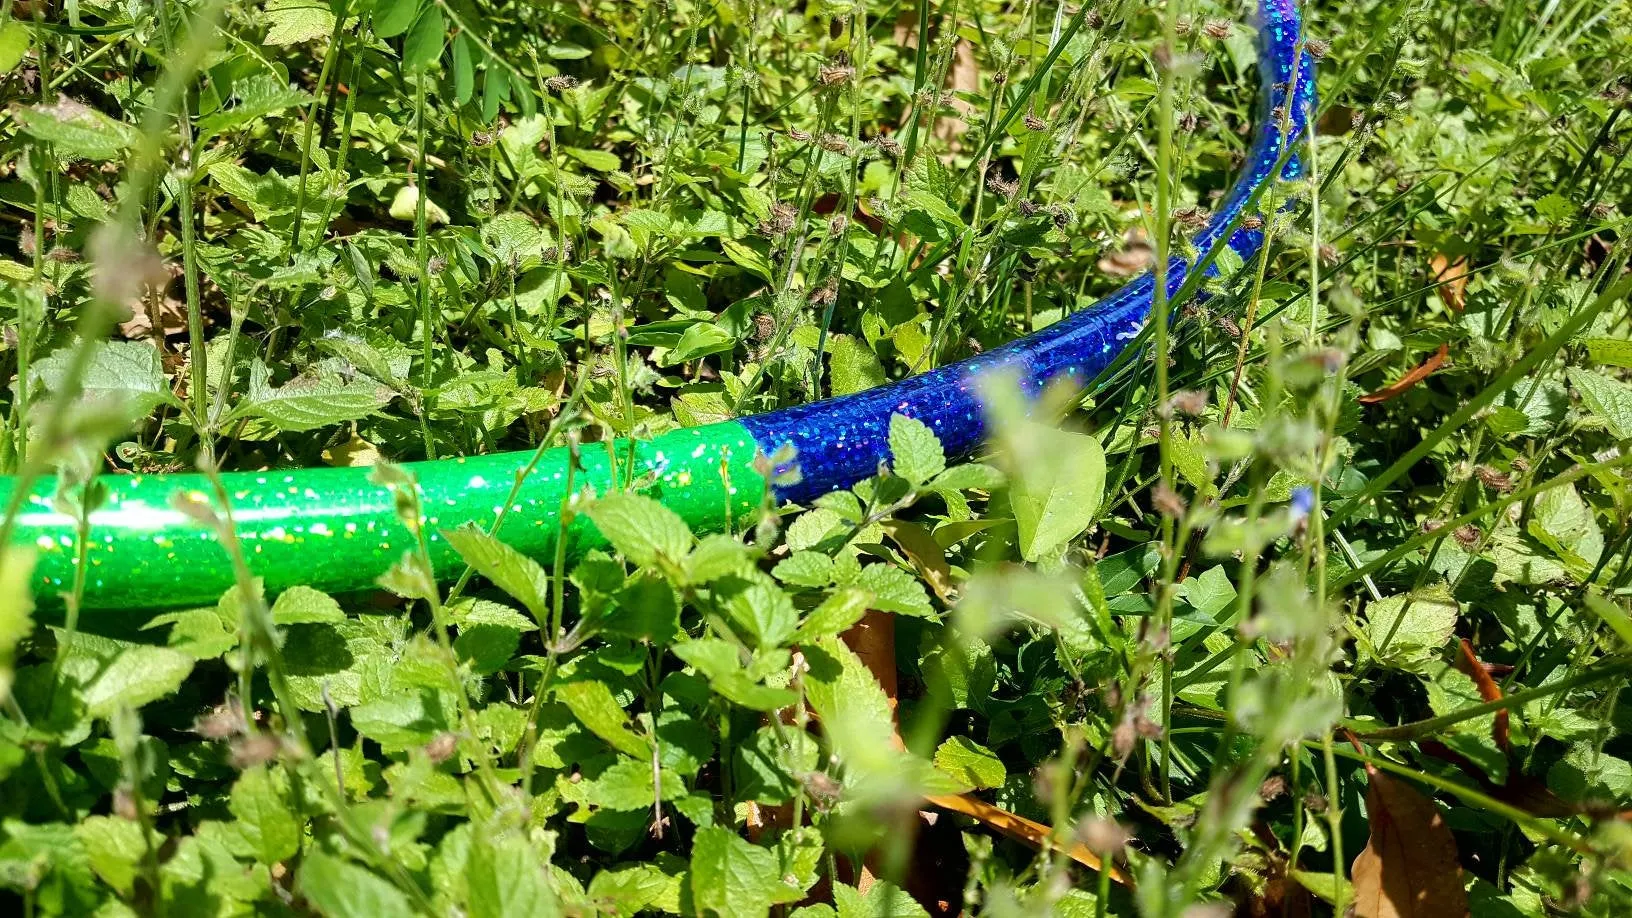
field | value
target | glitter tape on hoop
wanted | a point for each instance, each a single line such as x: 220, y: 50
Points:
x: 335, y: 530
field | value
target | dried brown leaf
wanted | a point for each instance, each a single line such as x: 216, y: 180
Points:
x: 1452, y: 277
x: 1409, y: 869
x: 1488, y: 691
x: 1408, y: 380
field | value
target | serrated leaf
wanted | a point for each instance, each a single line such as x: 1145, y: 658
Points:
x: 1406, y: 632
x: 295, y: 21
x: 486, y: 648
x: 258, y: 96
x: 640, y: 528
x: 719, y: 663
x: 1609, y: 352
x: 338, y: 889
x: 115, y: 849
x: 970, y: 763
x: 136, y: 676
x: 264, y: 815
x: 855, y: 712
x: 835, y: 615
x: 854, y: 366
x: 627, y: 785
x: 76, y: 130
x: 915, y: 451
x: 309, y: 402
x: 404, y: 719
x: 304, y: 605
x: 760, y: 608
x: 508, y: 569
x: 507, y: 878
x: 126, y: 377
x: 1609, y: 399
x: 732, y: 877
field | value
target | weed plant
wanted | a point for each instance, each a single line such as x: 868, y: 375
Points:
x: 1355, y: 516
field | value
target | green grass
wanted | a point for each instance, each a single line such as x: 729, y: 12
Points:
x: 462, y: 228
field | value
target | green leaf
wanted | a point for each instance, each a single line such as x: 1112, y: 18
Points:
x: 464, y: 71
x: 770, y: 771
x: 646, y: 610
x: 508, y: 569
x: 404, y: 719
x: 1056, y: 490
x: 295, y: 21
x: 1588, y: 773
x: 882, y: 900
x: 423, y: 45
x: 258, y: 96
x: 301, y: 605
x: 126, y: 377
x: 854, y: 366
x: 495, y: 89
x: 715, y: 556
x: 894, y: 590
x: 855, y: 713
x: 405, y: 206
x: 393, y: 17
x: 627, y: 785
x: 835, y: 615
x: 731, y: 877
x: 915, y: 449
x: 115, y: 848
x: 805, y: 568
x: 16, y: 610
x: 1609, y: 399
x: 338, y: 889
x: 506, y: 878
x: 700, y: 340
x: 136, y: 676
x: 14, y: 42
x: 633, y: 888
x: 970, y: 763
x: 309, y: 402
x: 487, y: 648
x: 1408, y: 631
x: 1610, y: 352
x: 1612, y: 615
x: 598, y: 160
x: 640, y: 528
x: 264, y: 814
x: 719, y: 662
x: 760, y: 608
x: 76, y: 130
x: 592, y: 703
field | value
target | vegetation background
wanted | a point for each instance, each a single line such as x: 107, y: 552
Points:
x: 1343, y: 625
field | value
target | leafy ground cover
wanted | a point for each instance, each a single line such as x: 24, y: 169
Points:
x: 1321, y: 604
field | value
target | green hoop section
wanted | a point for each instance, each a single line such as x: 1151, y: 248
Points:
x: 335, y: 528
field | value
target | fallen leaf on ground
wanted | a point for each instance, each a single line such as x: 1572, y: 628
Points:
x: 1409, y: 868
x: 1488, y: 691
x: 1452, y: 277
x: 1408, y: 380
